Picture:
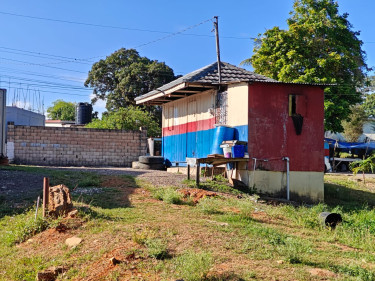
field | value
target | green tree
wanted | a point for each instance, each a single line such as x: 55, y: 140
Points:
x: 129, y: 118
x: 62, y: 110
x: 353, y: 128
x: 124, y: 75
x: 369, y: 96
x: 318, y: 47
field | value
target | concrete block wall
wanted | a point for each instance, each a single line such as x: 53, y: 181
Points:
x: 74, y: 146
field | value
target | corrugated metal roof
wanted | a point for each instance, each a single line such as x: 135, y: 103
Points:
x: 208, y: 75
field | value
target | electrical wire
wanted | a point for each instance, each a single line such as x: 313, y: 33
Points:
x: 44, y: 57
x: 47, y: 83
x: 44, y: 54
x: 32, y: 73
x: 118, y: 27
x: 43, y: 65
x: 52, y: 92
x: 173, y: 34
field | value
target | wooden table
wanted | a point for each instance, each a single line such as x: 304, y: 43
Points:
x: 215, y: 161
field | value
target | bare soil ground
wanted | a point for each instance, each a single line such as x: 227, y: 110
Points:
x: 239, y: 238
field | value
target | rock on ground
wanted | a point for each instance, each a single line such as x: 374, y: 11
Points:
x: 59, y: 202
x: 73, y: 241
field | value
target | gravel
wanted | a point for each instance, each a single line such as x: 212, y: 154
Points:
x: 20, y: 185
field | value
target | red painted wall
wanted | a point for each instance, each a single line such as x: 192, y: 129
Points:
x: 271, y: 130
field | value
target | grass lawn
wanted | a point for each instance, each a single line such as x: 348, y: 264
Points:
x: 155, y: 234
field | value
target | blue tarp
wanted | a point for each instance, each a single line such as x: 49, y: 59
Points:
x: 346, y: 146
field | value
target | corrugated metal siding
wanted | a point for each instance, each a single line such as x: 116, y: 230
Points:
x: 190, y: 133
x: 188, y: 124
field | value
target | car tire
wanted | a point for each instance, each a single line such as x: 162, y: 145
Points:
x: 156, y: 166
x: 151, y: 159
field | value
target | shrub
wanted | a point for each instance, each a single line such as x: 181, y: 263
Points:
x: 157, y: 248
x: 168, y: 195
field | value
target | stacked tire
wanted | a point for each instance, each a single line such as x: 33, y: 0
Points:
x: 149, y: 163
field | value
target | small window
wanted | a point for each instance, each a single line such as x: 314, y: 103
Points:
x: 292, y: 105
x: 297, y: 105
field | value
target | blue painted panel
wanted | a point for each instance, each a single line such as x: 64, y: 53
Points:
x: 204, y: 142
x: 241, y: 133
x: 174, y: 148
x: 195, y: 144
x: 191, y: 145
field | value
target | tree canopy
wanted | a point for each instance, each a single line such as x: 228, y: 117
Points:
x: 369, y: 97
x: 129, y: 118
x: 353, y: 128
x: 319, y: 47
x: 124, y: 75
x: 62, y: 110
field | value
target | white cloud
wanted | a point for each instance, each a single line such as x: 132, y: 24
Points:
x: 99, y: 106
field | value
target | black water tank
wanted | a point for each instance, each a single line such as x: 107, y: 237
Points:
x: 83, y: 113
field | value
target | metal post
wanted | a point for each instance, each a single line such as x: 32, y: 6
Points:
x: 37, y: 207
x: 287, y: 178
x: 197, y: 174
x: 188, y: 172
x: 3, y: 101
x: 45, y: 195
x: 216, y: 25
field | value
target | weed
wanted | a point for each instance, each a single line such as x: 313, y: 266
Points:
x: 168, y: 195
x: 157, y: 248
x: 209, y: 206
x: 89, y: 181
x: 292, y: 249
x: 307, y: 217
x: 192, y: 266
x: 140, y: 237
x: 22, y: 227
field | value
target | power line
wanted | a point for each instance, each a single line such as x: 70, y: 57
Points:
x: 60, y: 61
x: 45, y: 54
x: 52, y: 92
x: 115, y: 27
x: 173, y: 34
x: 43, y: 65
x: 48, y: 84
x: 25, y: 72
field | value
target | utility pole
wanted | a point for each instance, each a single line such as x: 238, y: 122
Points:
x: 216, y: 25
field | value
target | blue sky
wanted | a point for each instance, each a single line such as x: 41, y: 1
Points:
x: 28, y: 70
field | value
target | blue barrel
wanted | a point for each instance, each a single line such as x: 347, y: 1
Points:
x: 83, y: 113
x: 221, y: 133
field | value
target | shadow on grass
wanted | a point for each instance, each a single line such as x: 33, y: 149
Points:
x: 349, y: 270
x: 348, y: 198
x: 113, y: 193
x: 26, y: 182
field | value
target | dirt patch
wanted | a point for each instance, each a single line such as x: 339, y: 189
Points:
x: 114, y: 181
x: 261, y: 217
x: 326, y: 274
x: 127, y: 263
x: 196, y: 194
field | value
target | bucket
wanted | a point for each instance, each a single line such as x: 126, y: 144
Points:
x: 238, y: 151
x: 227, y: 152
x: 221, y: 133
x: 330, y: 219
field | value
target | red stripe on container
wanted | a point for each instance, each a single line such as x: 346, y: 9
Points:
x: 190, y: 127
